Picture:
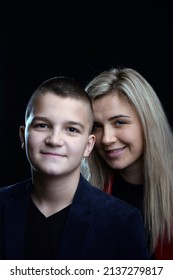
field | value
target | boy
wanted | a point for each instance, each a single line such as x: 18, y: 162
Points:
x: 57, y: 214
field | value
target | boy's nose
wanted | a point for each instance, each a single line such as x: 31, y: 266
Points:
x: 55, y: 138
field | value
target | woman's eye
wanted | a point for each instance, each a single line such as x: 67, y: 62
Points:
x: 119, y: 123
x: 96, y: 126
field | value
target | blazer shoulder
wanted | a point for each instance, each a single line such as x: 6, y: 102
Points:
x: 14, y: 189
x: 104, y: 201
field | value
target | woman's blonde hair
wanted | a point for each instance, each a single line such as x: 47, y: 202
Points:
x: 158, y: 147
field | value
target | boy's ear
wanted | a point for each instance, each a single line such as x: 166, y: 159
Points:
x: 22, y: 135
x: 90, y: 145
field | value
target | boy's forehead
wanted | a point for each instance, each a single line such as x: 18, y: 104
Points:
x: 51, y: 100
x: 54, y: 104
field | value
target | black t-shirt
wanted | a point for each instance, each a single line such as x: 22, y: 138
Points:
x: 132, y: 194
x: 43, y: 235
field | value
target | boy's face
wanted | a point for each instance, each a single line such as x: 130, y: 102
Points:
x: 56, y: 135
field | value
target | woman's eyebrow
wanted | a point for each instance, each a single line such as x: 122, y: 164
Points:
x: 118, y: 116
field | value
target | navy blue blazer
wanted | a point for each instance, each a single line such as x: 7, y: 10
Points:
x: 99, y: 226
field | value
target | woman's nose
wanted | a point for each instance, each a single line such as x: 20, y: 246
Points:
x: 109, y: 136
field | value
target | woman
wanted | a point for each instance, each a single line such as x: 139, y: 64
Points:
x: 133, y: 155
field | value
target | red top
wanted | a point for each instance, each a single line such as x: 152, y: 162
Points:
x: 164, y: 249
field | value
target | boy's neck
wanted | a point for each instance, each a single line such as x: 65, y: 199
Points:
x: 51, y: 195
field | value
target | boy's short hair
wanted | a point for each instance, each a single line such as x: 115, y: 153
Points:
x: 64, y: 87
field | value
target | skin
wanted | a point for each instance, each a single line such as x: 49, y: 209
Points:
x: 56, y: 137
x: 119, y: 136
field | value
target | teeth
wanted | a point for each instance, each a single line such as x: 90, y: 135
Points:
x: 119, y: 149
x: 116, y: 150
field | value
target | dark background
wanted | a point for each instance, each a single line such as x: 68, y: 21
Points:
x: 41, y: 41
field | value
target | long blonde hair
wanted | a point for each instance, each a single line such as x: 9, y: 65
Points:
x: 158, y: 148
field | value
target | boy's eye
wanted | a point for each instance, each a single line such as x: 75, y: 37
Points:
x: 73, y: 129
x: 41, y: 125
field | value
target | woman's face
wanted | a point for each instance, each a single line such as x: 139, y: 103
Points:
x: 118, y: 131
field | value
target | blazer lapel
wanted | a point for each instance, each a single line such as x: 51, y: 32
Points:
x: 77, y: 224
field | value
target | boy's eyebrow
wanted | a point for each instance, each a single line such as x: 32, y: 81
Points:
x: 68, y: 122
x: 76, y: 123
x: 39, y: 119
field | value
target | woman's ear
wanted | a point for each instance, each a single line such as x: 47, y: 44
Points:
x: 22, y: 136
x: 90, y: 145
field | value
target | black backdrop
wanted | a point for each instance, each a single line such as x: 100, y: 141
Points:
x: 39, y: 42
